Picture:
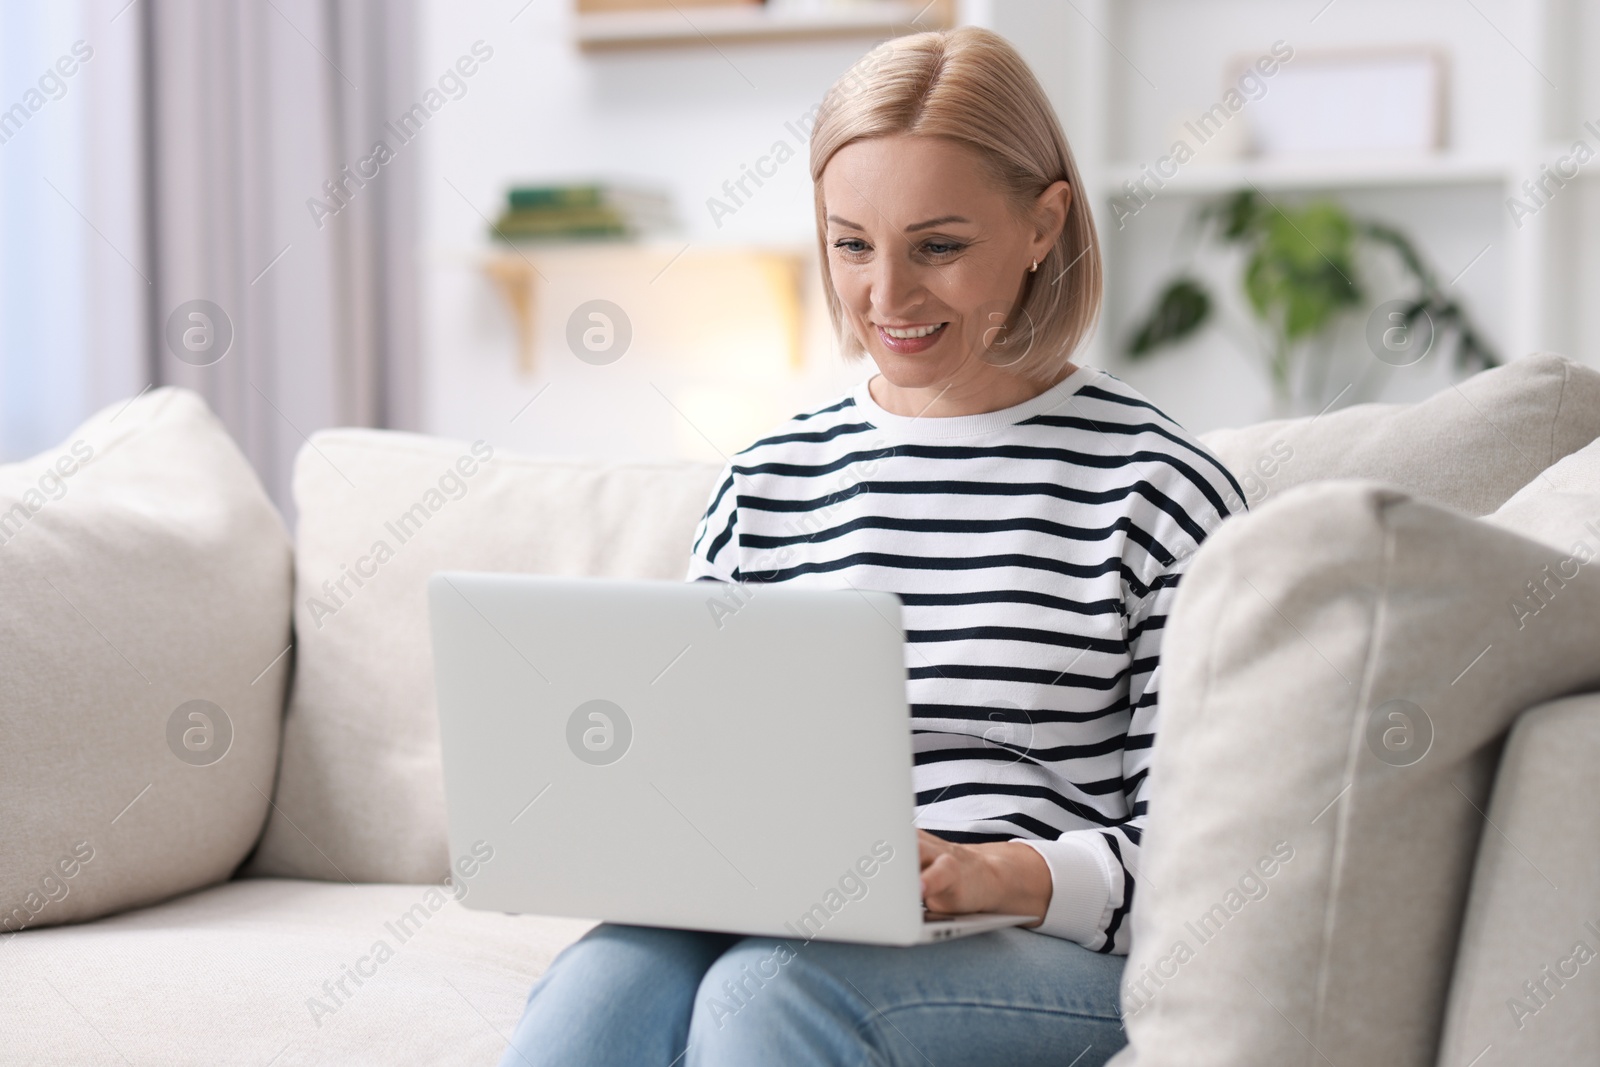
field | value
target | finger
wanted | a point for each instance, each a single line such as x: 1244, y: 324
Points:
x: 940, y: 884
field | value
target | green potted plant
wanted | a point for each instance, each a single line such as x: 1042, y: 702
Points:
x: 1301, y: 280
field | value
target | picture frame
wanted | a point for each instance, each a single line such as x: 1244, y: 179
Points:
x: 1349, y: 101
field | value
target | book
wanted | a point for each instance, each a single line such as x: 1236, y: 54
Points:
x: 574, y: 222
x: 642, y: 202
x: 592, y: 209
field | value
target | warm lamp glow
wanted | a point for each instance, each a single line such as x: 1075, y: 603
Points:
x: 721, y: 311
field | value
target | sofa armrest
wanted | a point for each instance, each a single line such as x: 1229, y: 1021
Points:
x: 1527, y: 972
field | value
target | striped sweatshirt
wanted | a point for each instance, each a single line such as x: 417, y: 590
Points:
x: 1037, y: 551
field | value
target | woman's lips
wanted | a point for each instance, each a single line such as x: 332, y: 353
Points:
x: 931, y: 332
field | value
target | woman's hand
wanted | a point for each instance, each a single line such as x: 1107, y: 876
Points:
x: 1003, y: 876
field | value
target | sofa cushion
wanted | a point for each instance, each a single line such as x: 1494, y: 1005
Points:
x: 1468, y: 447
x: 1531, y: 917
x: 287, y: 973
x: 144, y: 617
x: 1342, y: 669
x: 1559, y: 506
x: 1532, y: 928
x: 359, y: 791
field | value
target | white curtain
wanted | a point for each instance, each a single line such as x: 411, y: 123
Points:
x: 258, y: 120
x: 73, y: 277
x: 154, y: 153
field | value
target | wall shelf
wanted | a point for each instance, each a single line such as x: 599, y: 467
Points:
x: 519, y: 271
x: 1290, y: 175
x: 711, y: 25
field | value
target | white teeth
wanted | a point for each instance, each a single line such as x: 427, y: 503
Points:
x: 914, y: 332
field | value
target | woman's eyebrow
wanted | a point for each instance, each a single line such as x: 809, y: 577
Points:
x: 928, y: 225
x: 940, y: 221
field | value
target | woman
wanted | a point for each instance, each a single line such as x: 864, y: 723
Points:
x: 1033, y: 515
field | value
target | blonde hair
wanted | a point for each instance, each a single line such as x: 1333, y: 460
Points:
x: 970, y: 86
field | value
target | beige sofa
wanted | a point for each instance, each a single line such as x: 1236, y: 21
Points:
x: 221, y: 820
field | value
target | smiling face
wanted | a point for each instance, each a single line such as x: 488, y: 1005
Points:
x: 928, y: 258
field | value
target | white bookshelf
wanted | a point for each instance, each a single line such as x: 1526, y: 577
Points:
x: 1124, y: 73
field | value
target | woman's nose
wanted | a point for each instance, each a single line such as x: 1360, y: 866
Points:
x: 896, y: 285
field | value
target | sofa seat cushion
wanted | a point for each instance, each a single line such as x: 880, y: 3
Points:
x: 1468, y: 447
x: 249, y: 972
x: 1524, y: 974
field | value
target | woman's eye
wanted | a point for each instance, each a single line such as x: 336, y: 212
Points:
x: 930, y: 250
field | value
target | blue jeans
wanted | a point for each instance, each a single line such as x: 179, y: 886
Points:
x: 674, y: 998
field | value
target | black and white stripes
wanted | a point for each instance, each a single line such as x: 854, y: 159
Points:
x: 1037, y: 551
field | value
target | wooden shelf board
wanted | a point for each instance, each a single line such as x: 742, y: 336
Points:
x: 1201, y: 179
x: 702, y: 25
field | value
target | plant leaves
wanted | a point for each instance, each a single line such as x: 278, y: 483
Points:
x: 1300, y: 274
x: 1240, y: 214
x: 1180, y: 310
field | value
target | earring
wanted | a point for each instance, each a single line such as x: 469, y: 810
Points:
x: 1033, y: 269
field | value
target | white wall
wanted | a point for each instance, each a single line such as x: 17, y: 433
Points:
x: 684, y: 118
x: 688, y: 118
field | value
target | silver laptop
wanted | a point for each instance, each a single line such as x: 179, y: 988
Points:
x: 690, y: 755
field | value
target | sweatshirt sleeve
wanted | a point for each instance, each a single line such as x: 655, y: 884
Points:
x: 1093, y: 873
x: 714, y: 555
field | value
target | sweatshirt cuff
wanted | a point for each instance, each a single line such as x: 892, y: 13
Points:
x: 1080, y: 888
